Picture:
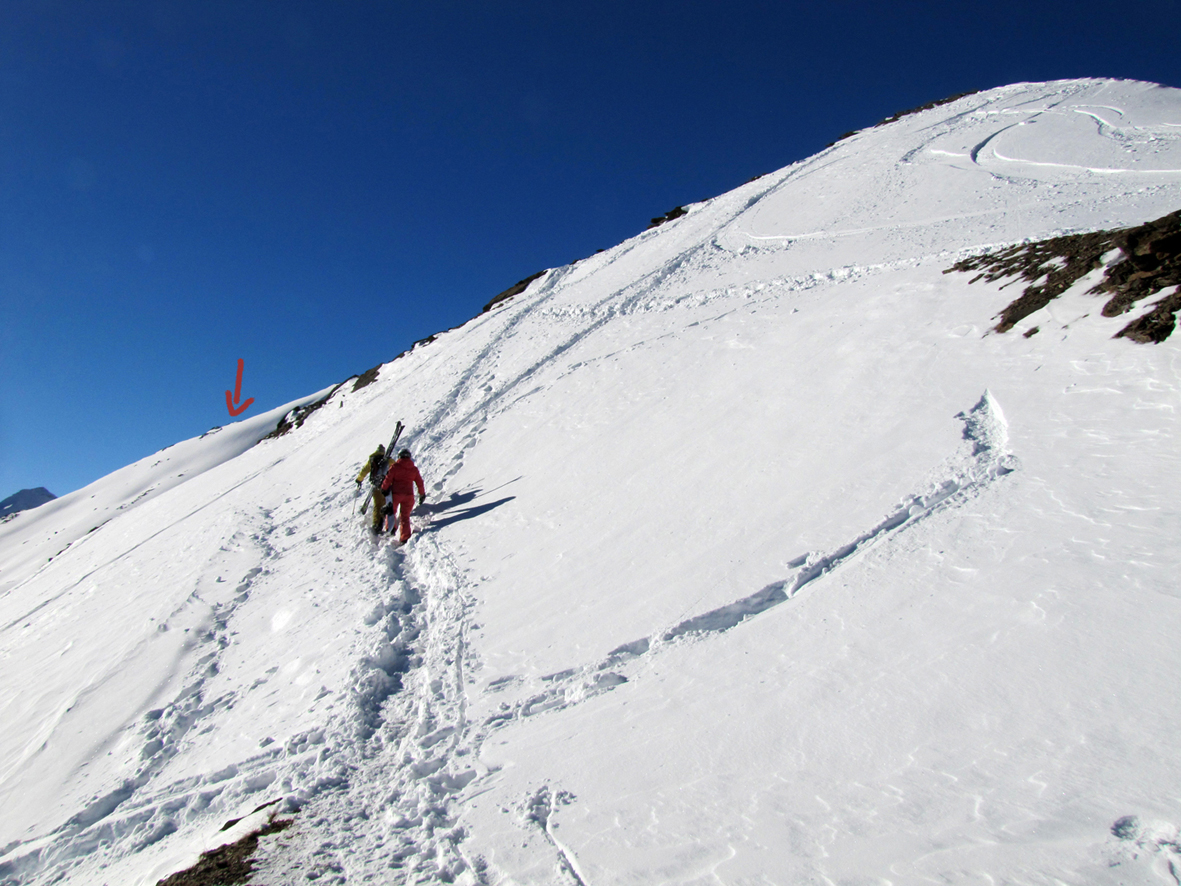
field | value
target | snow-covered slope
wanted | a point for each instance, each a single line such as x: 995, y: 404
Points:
x: 751, y: 555
x: 29, y: 545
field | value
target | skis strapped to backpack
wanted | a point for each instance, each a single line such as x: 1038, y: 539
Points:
x: 393, y: 442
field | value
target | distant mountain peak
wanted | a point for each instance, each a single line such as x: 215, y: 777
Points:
x: 25, y: 500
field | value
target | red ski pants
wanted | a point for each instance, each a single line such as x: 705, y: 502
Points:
x: 402, y: 505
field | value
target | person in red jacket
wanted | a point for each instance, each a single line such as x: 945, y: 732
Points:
x: 399, y: 484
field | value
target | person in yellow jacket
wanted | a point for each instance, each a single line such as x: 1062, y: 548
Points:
x: 376, y: 468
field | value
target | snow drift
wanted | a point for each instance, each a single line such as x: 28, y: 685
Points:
x: 752, y: 554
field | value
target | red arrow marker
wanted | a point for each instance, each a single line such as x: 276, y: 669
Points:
x: 231, y: 404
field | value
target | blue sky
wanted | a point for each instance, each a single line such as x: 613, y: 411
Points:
x: 313, y: 186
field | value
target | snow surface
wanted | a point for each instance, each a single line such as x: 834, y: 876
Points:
x: 750, y: 556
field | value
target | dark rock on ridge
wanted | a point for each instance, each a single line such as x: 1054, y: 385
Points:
x: 516, y: 289
x: 228, y: 864
x: 675, y: 212
x: 1149, y: 262
x: 25, y: 500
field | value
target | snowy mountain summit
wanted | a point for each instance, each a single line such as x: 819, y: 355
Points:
x: 24, y: 500
x: 752, y: 552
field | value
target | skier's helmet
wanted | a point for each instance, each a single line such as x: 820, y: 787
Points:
x: 405, y: 453
x: 381, y: 448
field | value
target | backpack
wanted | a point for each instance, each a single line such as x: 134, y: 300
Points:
x: 378, y: 464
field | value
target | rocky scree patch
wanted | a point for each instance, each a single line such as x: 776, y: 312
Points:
x: 675, y: 212
x: 516, y: 289
x: 227, y: 864
x: 1149, y: 263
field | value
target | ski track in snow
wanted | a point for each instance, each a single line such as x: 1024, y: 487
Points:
x: 538, y: 811
x: 407, y: 695
x: 378, y: 783
x: 673, y: 282
x: 123, y: 553
x: 469, y: 404
x: 142, y: 809
x: 408, y: 752
x: 424, y: 751
x: 415, y: 756
x: 984, y: 460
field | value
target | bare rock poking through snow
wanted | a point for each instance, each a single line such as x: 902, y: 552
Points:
x: 750, y: 554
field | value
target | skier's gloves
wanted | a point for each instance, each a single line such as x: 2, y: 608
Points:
x: 421, y: 499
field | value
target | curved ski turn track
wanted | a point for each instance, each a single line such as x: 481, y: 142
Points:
x: 729, y: 570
